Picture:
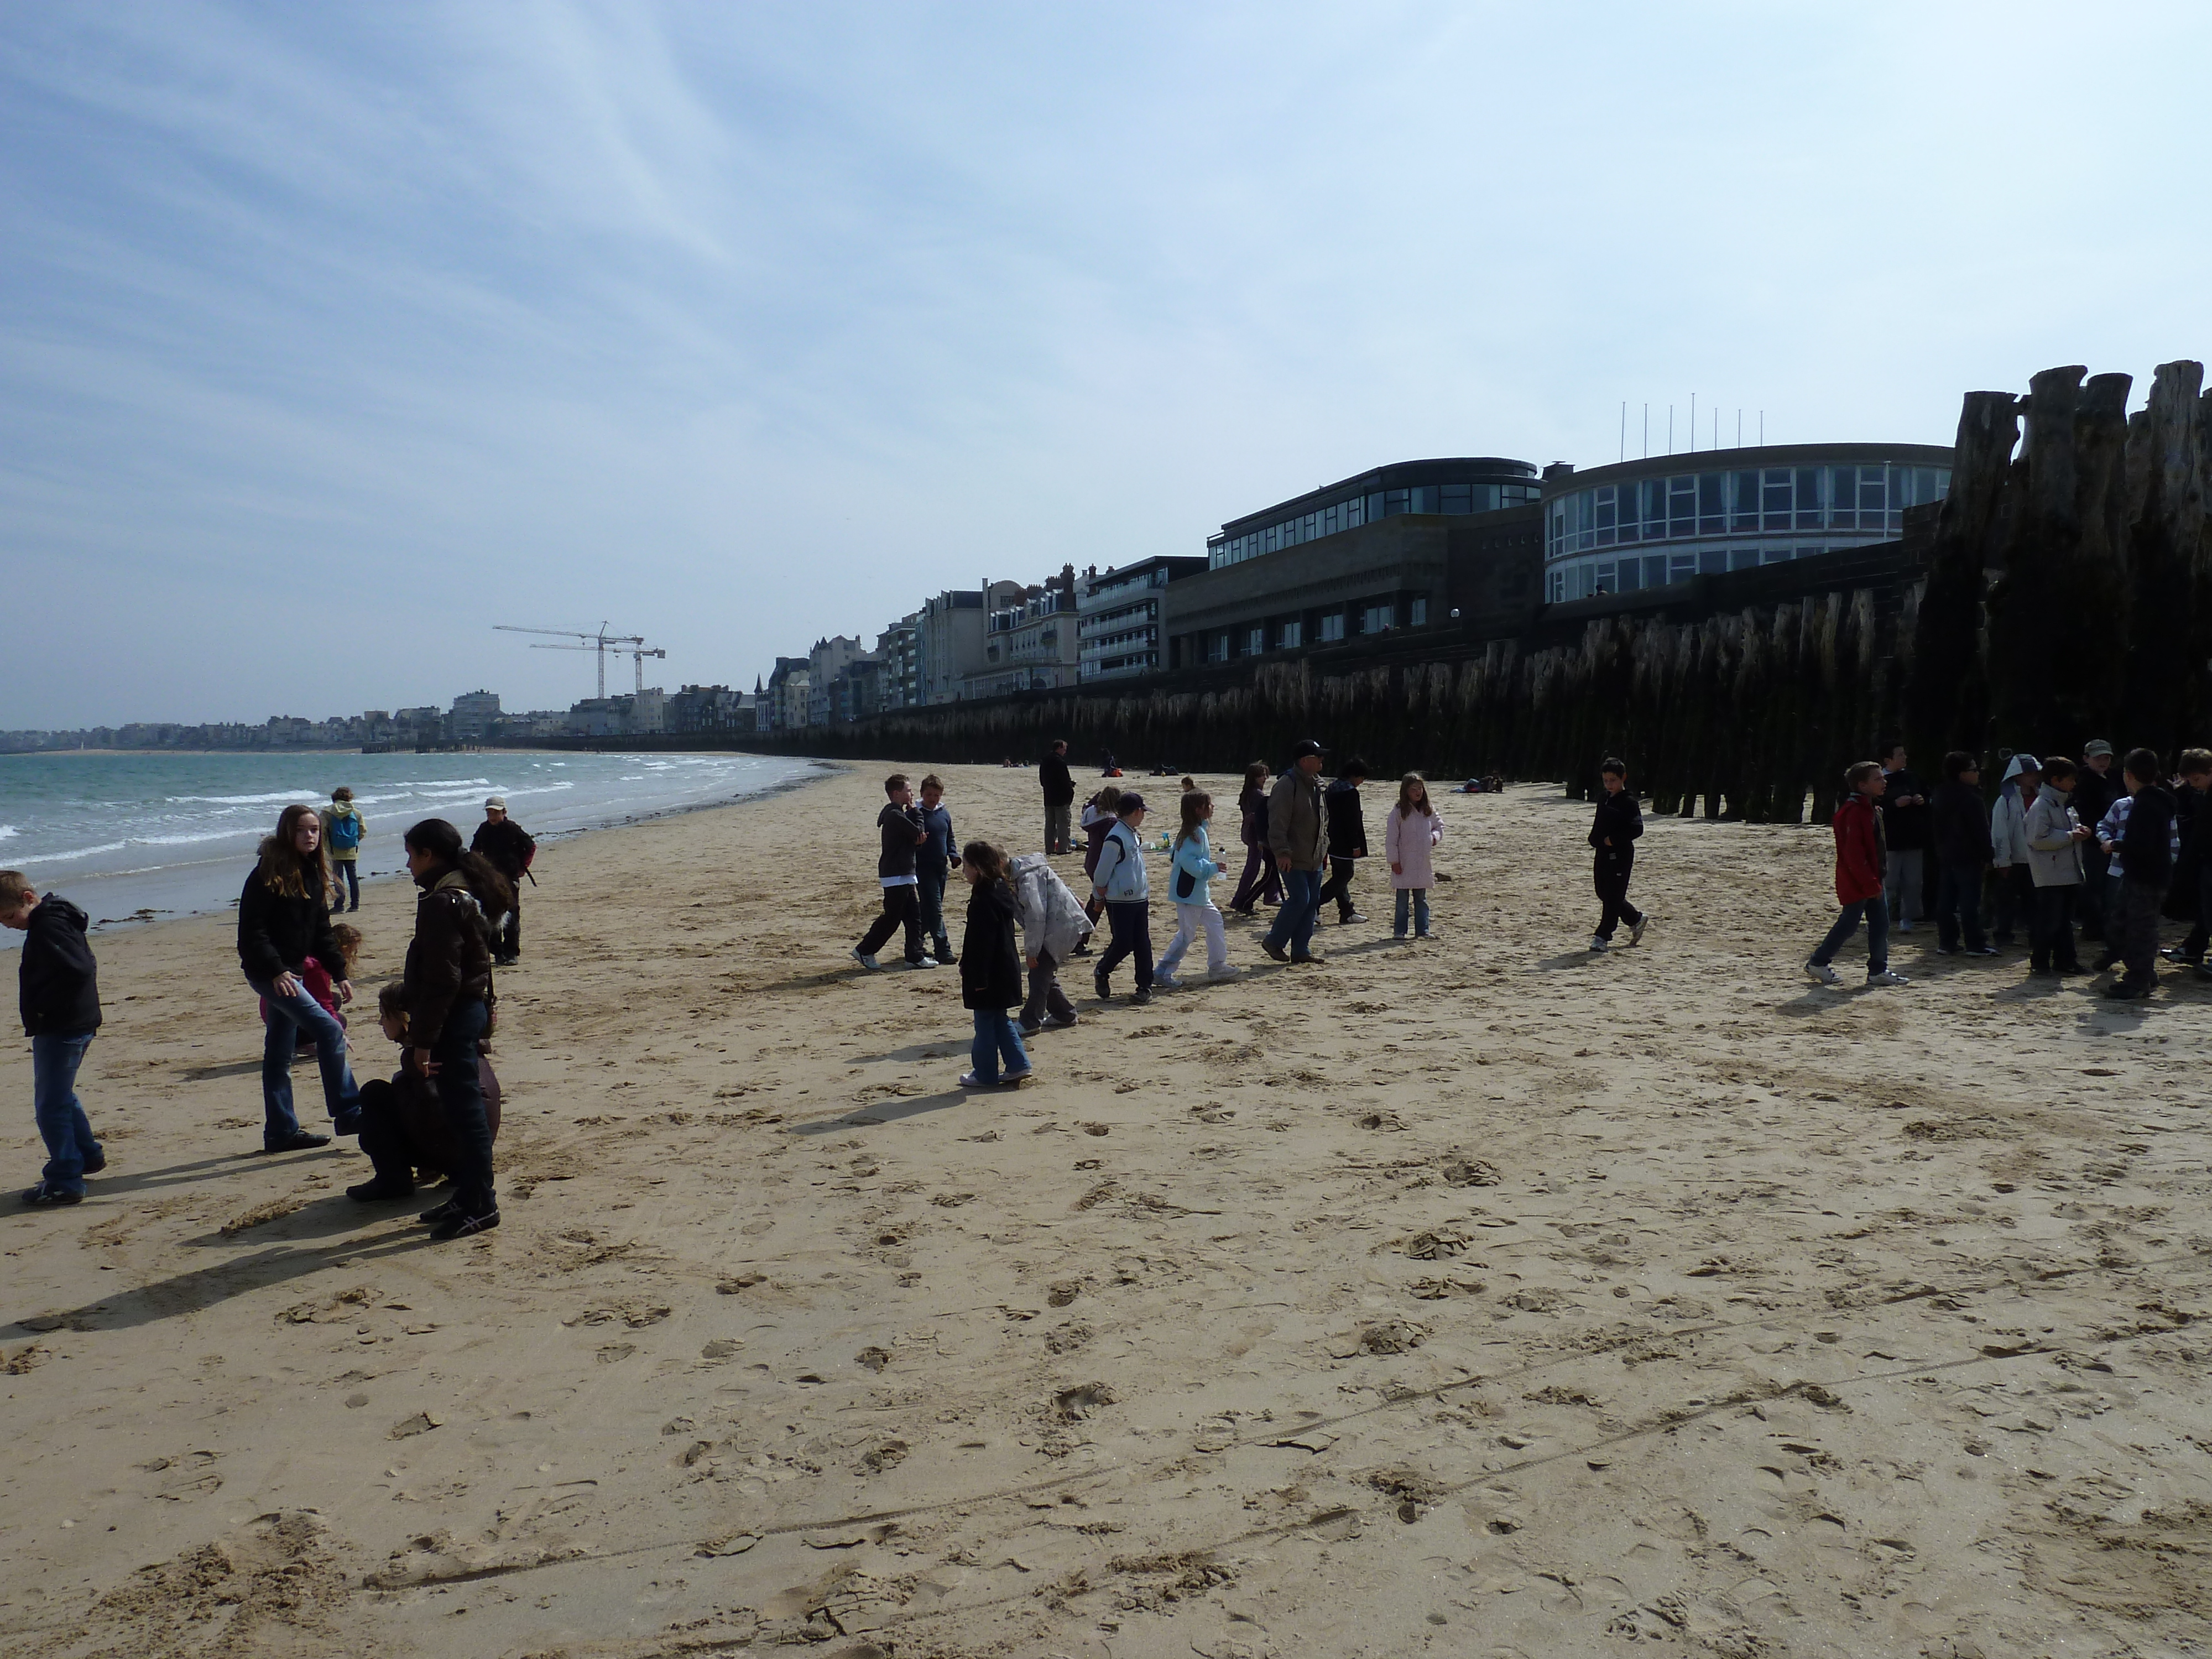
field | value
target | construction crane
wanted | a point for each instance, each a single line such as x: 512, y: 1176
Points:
x: 600, y: 642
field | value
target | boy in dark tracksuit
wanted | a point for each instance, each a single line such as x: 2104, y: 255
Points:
x: 61, y: 1012
x: 1347, y: 840
x: 1612, y: 837
x: 932, y: 862
x: 903, y: 832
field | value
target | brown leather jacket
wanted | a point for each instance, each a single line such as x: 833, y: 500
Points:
x: 449, y: 958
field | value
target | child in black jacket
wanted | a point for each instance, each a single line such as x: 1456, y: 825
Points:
x: 1347, y: 840
x: 1612, y: 837
x: 900, y: 825
x: 991, y: 968
x: 61, y: 1012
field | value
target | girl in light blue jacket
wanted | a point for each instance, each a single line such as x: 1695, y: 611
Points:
x: 1190, y: 878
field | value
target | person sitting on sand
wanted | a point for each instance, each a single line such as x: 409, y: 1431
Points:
x: 283, y: 919
x: 449, y: 999
x: 1054, y: 928
x: 61, y: 1012
x: 404, y: 1128
x: 991, y: 968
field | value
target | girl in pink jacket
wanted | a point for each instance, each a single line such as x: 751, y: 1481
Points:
x: 1410, y: 833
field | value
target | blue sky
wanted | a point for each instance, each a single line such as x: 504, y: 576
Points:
x: 331, y: 336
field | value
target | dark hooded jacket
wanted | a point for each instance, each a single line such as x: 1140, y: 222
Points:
x: 1961, y: 824
x: 990, y: 960
x: 1347, y: 823
x: 60, y: 980
x: 506, y: 844
x: 277, y: 932
x: 2146, y: 846
x: 1618, y: 818
x: 449, y: 958
x: 1058, y: 786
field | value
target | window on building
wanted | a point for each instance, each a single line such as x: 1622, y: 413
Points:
x: 1455, y: 498
x: 1217, y: 651
x: 1377, y: 617
x: 1712, y: 516
x: 1255, y: 640
x: 1293, y: 635
x: 1745, y: 514
x: 1332, y: 627
x: 1809, y: 497
x: 1417, y: 614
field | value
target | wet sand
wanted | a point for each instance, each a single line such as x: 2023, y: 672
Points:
x: 1478, y: 1297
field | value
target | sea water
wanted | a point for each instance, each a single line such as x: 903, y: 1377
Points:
x: 134, y: 837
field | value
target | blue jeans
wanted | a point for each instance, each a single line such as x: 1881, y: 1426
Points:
x: 287, y: 1018
x: 1958, y: 906
x: 345, y: 873
x: 1877, y: 924
x: 1418, y: 898
x: 1294, y: 922
x: 930, y: 889
x: 62, y: 1125
x: 996, y: 1038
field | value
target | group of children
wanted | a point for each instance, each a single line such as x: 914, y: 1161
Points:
x: 998, y: 972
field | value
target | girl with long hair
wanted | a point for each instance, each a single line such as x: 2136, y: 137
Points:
x: 448, y: 996
x: 1408, y: 839
x: 1262, y: 883
x: 1190, y: 875
x: 283, y: 928
x: 991, y: 968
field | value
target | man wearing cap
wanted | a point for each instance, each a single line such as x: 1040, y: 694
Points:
x: 1297, y: 835
x: 509, y: 848
x: 2095, y: 789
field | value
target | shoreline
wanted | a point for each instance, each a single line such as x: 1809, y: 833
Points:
x: 1292, y: 1314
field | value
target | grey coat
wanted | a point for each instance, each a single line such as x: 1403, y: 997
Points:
x: 1053, y: 921
x: 2054, y: 857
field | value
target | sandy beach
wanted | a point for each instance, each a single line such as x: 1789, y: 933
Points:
x: 1478, y: 1297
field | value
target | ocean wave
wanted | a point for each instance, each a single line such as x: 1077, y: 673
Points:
x: 8, y: 831
x: 77, y: 852
x: 287, y: 796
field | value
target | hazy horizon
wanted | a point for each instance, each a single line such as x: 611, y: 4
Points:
x: 332, y: 336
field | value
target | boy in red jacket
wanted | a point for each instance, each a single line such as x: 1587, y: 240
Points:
x: 1861, y: 859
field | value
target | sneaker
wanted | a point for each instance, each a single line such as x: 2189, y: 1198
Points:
x: 1166, y: 982
x: 1429, y: 933
x: 866, y: 961
x: 1307, y: 956
x: 1982, y: 950
x: 1015, y: 1079
x: 1599, y: 942
x: 2121, y: 991
x: 1227, y: 970
x: 1060, y: 1024
x: 1100, y: 984
x: 2175, y: 954
x: 1821, y: 975
x: 970, y: 1080
x: 376, y: 1191
x: 921, y: 962
x: 1028, y: 1028
x: 46, y: 1193
x: 1141, y: 995
x: 460, y: 1225
x: 1948, y: 950
x: 1274, y: 950
x: 1904, y: 927
x: 1349, y: 920
x: 298, y: 1141
x: 1888, y: 976
x: 1636, y: 933
x: 438, y: 1212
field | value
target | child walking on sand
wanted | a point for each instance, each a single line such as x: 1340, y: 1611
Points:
x: 1099, y: 816
x: 1118, y: 883
x: 1408, y: 840
x: 1860, y: 869
x: 1190, y: 876
x: 903, y: 832
x: 991, y: 968
x: 1612, y: 837
x: 61, y: 1013
x: 932, y: 862
x: 1054, y: 928
x: 1261, y: 884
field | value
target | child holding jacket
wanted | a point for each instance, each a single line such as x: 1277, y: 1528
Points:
x: 1190, y: 876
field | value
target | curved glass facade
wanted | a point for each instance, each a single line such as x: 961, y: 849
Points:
x: 1367, y: 507
x: 1647, y: 533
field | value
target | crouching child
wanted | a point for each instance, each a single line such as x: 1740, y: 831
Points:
x: 1054, y: 928
x: 403, y: 1125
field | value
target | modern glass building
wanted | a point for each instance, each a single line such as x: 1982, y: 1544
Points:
x: 1647, y: 523
x: 1467, y: 484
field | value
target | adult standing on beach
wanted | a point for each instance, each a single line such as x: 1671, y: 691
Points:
x: 448, y: 993
x: 284, y: 920
x: 342, y: 832
x: 508, y: 848
x: 1059, y: 799
x: 1297, y: 835
x: 61, y: 1013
